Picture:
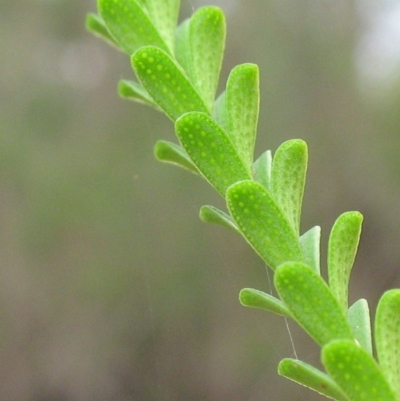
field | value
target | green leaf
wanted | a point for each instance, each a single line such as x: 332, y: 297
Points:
x: 219, y: 111
x: 182, y: 47
x: 262, y: 223
x: 96, y: 25
x: 387, y: 337
x: 260, y: 300
x: 342, y: 249
x: 129, y: 25
x: 206, y: 44
x: 308, y: 376
x: 171, y: 153
x: 288, y: 179
x: 164, y: 16
x: 210, y: 214
x: 134, y: 91
x: 310, y: 301
x: 356, y: 372
x: 262, y: 170
x: 164, y: 80
x: 360, y: 323
x: 242, y: 105
x: 310, y: 244
x: 210, y: 150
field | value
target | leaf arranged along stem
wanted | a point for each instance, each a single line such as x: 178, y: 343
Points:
x: 342, y: 249
x: 262, y: 223
x: 242, y: 108
x: 134, y: 91
x: 387, y: 336
x: 164, y: 16
x: 129, y: 25
x: 171, y: 153
x: 207, y: 31
x: 166, y: 83
x: 210, y: 214
x: 262, y: 170
x: 310, y: 377
x: 310, y: 244
x: 356, y: 372
x: 288, y: 177
x: 310, y: 301
x: 360, y: 324
x: 210, y: 150
x: 95, y: 24
x: 258, y: 299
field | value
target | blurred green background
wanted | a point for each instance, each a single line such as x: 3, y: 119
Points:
x: 111, y: 288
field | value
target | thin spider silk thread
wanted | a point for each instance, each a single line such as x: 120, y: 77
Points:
x: 286, y: 320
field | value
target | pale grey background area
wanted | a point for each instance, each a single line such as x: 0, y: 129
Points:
x: 111, y: 288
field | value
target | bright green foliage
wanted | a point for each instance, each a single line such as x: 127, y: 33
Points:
x: 262, y: 223
x: 242, y: 116
x: 211, y: 150
x: 200, y: 46
x: 342, y: 249
x: 262, y: 170
x: 178, y: 72
x: 132, y: 90
x: 164, y: 16
x: 171, y: 153
x: 288, y: 178
x: 308, y: 376
x: 309, y: 243
x: 387, y: 334
x: 166, y: 83
x: 210, y: 214
x: 96, y: 25
x: 129, y: 25
x: 310, y: 301
x: 258, y: 299
x: 356, y: 372
x: 360, y: 323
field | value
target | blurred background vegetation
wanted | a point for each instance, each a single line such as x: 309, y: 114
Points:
x: 111, y: 288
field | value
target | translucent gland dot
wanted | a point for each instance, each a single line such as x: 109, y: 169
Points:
x: 160, y: 67
x: 148, y: 71
x: 144, y: 55
x: 151, y: 59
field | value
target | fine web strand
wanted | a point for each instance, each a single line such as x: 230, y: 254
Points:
x: 286, y: 320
